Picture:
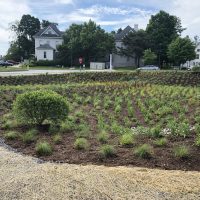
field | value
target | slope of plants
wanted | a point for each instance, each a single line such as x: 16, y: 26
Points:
x: 183, y: 78
x: 113, y: 123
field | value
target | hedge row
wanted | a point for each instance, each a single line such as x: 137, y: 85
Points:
x: 161, y: 77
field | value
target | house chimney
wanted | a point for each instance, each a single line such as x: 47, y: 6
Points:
x: 136, y: 27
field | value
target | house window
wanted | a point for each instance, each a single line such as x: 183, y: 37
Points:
x: 45, y: 54
x: 197, y: 56
x: 198, y: 50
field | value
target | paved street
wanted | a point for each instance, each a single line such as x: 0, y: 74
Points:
x: 36, y: 72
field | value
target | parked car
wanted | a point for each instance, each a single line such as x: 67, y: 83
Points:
x: 149, y: 67
x: 5, y: 63
x: 13, y: 62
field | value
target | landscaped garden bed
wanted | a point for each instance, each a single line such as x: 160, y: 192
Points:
x: 183, y: 78
x: 113, y: 123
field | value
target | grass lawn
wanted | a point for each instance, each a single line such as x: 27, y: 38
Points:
x: 11, y: 69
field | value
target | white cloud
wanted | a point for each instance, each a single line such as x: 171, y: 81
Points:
x: 11, y: 11
x: 64, y: 1
x: 188, y: 11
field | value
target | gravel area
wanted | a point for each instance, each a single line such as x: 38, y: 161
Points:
x: 22, y: 177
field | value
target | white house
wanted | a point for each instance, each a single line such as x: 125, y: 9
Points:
x: 46, y: 42
x: 195, y: 62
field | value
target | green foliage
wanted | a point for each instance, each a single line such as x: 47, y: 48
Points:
x: 88, y: 40
x: 81, y: 144
x: 197, y: 141
x: 57, y: 139
x: 149, y: 57
x: 37, y: 106
x: 156, y: 132
x: 103, y: 136
x: 9, y: 124
x: 11, y: 135
x: 181, y: 50
x: 43, y: 149
x: 107, y: 151
x: 136, y: 42
x: 181, y: 151
x: 162, y: 29
x: 143, y: 151
x: 83, y: 131
x: 29, y: 136
x: 161, y: 142
x: 126, y: 139
x: 24, y: 30
x: 196, y: 69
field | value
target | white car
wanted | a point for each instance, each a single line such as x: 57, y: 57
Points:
x: 149, y: 67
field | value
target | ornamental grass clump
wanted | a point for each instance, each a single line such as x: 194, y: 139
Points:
x: 81, y: 144
x: 29, y: 136
x: 127, y: 139
x: 35, y: 107
x: 181, y: 151
x: 103, y: 136
x: 107, y: 151
x: 144, y: 151
x: 11, y: 135
x: 43, y: 149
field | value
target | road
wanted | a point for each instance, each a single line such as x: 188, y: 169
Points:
x: 37, y: 72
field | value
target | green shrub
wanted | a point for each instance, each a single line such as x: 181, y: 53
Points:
x: 196, y: 69
x: 144, y: 151
x: 126, y: 139
x: 81, y: 144
x: 43, y: 149
x: 37, y: 106
x: 11, y: 135
x: 29, y: 136
x: 181, y: 152
x: 57, y: 139
x: 103, y: 136
x: 161, y: 142
x: 107, y: 151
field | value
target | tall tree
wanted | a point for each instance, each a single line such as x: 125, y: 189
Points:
x: 134, y: 45
x: 87, y: 40
x: 181, y: 50
x: 162, y: 29
x: 24, y: 30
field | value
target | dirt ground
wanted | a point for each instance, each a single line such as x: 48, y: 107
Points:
x: 22, y: 177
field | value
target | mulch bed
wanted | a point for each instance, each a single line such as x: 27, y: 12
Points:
x: 162, y: 158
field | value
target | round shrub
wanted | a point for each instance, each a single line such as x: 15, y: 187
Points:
x: 37, y: 106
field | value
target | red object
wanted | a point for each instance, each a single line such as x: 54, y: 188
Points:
x: 81, y: 60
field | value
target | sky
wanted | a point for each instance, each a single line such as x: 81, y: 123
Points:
x: 110, y: 14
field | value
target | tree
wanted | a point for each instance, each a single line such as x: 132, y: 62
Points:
x: 149, y: 57
x: 87, y: 40
x: 181, y: 50
x: 46, y: 23
x: 162, y: 29
x: 134, y: 45
x: 24, y: 30
x: 14, y: 52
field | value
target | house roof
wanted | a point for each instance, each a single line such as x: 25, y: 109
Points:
x: 123, y: 33
x: 45, y: 46
x: 52, y: 26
